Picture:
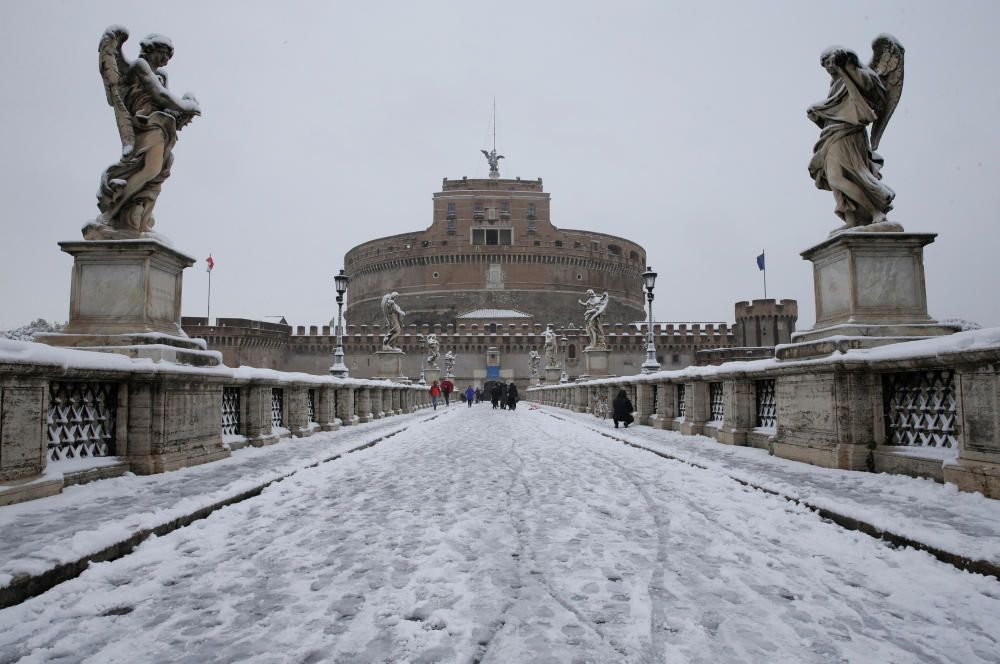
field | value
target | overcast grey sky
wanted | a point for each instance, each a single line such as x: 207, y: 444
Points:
x: 679, y: 125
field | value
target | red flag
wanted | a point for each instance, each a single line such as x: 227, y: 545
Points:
x: 211, y: 263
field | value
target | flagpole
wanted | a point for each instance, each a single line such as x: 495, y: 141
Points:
x: 762, y: 253
x: 209, y: 312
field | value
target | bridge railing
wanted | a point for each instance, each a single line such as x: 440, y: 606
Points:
x: 928, y: 408
x: 61, y: 410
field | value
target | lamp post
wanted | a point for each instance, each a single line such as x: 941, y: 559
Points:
x: 650, y: 365
x: 339, y: 369
x: 422, y: 345
x: 564, y: 342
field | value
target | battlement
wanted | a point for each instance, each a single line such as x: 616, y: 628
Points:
x: 499, y: 184
x: 767, y: 307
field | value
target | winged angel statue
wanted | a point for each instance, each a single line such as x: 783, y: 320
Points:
x: 149, y: 117
x: 844, y: 161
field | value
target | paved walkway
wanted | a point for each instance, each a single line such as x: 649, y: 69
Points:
x: 491, y: 536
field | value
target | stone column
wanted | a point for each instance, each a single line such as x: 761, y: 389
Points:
x: 666, y: 405
x: 326, y: 412
x: 296, y: 411
x: 696, y: 408
x: 346, y: 406
x: 737, y: 419
x: 255, y: 402
x: 24, y: 406
x: 978, y: 465
x: 644, y: 403
x: 363, y: 405
x: 375, y: 399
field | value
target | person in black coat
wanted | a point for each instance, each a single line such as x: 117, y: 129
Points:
x: 495, y: 395
x: 511, y: 396
x: 621, y: 409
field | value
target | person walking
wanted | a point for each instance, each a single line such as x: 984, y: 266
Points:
x: 511, y: 396
x: 470, y: 394
x: 435, y: 393
x: 503, y: 396
x: 479, y: 395
x: 621, y: 409
x: 495, y: 395
x: 447, y: 387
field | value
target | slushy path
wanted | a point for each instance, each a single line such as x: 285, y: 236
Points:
x: 491, y: 536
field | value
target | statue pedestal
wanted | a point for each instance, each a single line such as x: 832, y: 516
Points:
x: 869, y: 290
x: 432, y: 374
x: 552, y: 375
x: 390, y: 365
x: 125, y: 298
x: 597, y: 363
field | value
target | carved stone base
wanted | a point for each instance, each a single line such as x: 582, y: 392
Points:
x: 390, y: 365
x: 125, y: 297
x: 870, y: 291
x: 432, y: 374
x: 597, y: 362
x: 552, y: 375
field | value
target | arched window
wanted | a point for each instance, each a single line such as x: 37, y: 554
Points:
x: 571, y: 351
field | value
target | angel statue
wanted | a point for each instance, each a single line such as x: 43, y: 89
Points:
x: 449, y: 364
x: 844, y: 161
x: 393, y: 321
x: 433, y: 350
x: 550, y: 347
x: 149, y: 117
x: 593, y: 319
x: 533, y: 360
x: 494, y: 159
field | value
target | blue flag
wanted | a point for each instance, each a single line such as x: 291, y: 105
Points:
x: 760, y: 261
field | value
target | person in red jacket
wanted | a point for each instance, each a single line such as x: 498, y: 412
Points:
x: 447, y: 387
x: 435, y: 393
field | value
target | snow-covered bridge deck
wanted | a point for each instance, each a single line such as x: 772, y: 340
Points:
x: 485, y: 535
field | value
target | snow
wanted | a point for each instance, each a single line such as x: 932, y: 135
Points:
x: 526, y: 536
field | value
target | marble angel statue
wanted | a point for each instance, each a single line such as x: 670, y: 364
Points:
x: 393, y: 321
x: 593, y: 319
x: 433, y: 350
x: 149, y: 116
x: 449, y: 364
x: 844, y: 160
x: 549, y: 348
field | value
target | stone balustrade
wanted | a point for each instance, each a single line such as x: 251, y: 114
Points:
x: 927, y: 408
x: 60, y: 407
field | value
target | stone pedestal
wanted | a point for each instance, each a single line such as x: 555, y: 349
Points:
x: 432, y: 374
x: 552, y: 375
x: 390, y: 365
x: 125, y: 298
x: 597, y: 361
x: 869, y: 290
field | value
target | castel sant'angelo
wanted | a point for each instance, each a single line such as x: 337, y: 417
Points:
x: 486, y: 277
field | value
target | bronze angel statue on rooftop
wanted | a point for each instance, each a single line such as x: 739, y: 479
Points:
x: 149, y: 117
x: 844, y: 160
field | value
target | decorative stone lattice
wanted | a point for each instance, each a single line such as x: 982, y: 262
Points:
x: 764, y: 390
x: 311, y: 406
x: 681, y: 402
x: 81, y: 420
x: 716, y: 402
x: 230, y: 411
x: 277, y: 407
x: 919, y: 408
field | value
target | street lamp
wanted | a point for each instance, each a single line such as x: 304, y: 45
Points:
x: 422, y: 346
x: 564, y: 342
x: 339, y: 369
x: 650, y: 365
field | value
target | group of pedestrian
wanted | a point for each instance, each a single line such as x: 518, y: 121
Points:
x: 501, y: 395
x: 504, y: 396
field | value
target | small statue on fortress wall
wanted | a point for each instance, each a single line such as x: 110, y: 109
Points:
x: 550, y: 347
x: 533, y: 361
x: 449, y: 364
x: 393, y: 321
x: 149, y: 116
x: 494, y: 160
x: 844, y: 161
x: 433, y: 351
x: 593, y: 319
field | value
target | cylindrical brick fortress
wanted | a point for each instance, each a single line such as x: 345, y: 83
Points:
x: 491, y: 245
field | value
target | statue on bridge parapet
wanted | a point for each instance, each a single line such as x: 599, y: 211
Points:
x: 534, y: 359
x: 393, y: 321
x: 844, y: 161
x: 433, y: 350
x: 594, y: 319
x: 449, y: 364
x: 550, y: 347
x: 148, y: 116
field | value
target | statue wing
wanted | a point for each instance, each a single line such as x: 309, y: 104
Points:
x: 485, y: 153
x: 113, y: 65
x: 887, y: 62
